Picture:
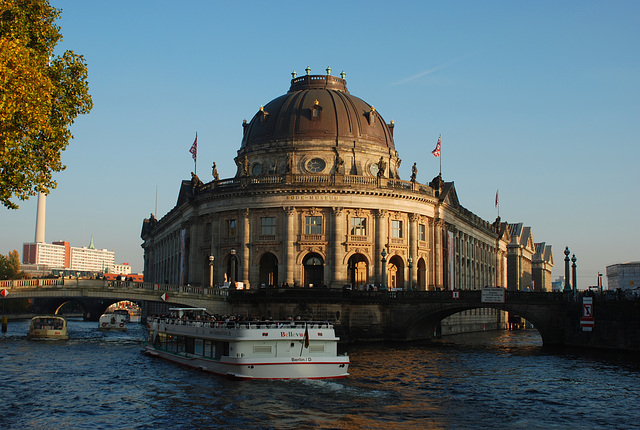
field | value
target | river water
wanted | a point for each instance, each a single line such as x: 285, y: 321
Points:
x: 101, y: 380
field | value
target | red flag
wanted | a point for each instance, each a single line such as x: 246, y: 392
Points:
x: 194, y: 148
x: 436, y: 152
x: 306, y: 337
x: 497, y: 197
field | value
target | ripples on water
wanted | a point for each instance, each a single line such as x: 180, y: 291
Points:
x: 101, y: 380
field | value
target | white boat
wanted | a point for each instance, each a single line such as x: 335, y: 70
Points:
x: 112, y: 321
x: 247, y: 349
x: 48, y: 327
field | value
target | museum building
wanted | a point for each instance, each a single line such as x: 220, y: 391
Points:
x: 317, y: 201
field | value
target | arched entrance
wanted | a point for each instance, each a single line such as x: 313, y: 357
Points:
x: 357, y: 269
x: 422, y: 275
x: 313, y: 270
x: 396, y: 272
x: 268, y: 275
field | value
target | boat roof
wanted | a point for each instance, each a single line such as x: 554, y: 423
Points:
x: 187, y: 309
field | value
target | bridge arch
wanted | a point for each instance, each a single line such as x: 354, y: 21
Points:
x: 421, y: 325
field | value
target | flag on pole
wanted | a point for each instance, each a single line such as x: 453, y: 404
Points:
x: 436, y: 152
x: 497, y: 197
x: 194, y: 148
x: 306, y: 337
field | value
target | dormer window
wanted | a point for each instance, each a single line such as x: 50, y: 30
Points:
x: 371, y: 116
x: 316, y: 111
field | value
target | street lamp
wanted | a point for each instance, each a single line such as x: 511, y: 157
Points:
x: 410, y: 273
x: 574, y: 276
x: 211, y: 259
x: 567, y: 288
x: 384, y: 269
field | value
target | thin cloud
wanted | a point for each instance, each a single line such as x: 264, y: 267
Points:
x: 429, y: 71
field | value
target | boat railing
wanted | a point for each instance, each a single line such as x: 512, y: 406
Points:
x: 246, y: 325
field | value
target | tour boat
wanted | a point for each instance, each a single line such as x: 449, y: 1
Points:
x: 247, y: 349
x: 112, y: 321
x: 48, y: 327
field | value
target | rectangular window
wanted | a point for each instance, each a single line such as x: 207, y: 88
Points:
x: 396, y: 229
x: 422, y: 232
x: 313, y: 225
x: 231, y: 229
x: 316, y: 349
x: 268, y: 225
x: 262, y: 349
x: 358, y: 226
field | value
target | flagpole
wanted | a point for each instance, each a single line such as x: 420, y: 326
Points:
x: 195, y: 159
x: 440, y: 140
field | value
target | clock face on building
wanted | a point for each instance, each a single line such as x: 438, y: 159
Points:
x: 374, y: 169
x: 316, y: 165
x: 257, y: 169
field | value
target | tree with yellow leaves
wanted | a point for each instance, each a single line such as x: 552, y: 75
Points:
x: 40, y: 96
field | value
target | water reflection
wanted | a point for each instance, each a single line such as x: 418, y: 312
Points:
x: 488, y: 380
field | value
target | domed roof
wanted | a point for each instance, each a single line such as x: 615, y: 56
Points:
x: 317, y: 108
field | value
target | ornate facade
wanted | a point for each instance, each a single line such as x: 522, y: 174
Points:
x: 317, y: 201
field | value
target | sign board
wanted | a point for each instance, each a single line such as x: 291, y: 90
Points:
x: 586, y: 323
x: 492, y: 295
x: 455, y: 294
x: 4, y: 293
x: 164, y: 296
x: 587, y: 307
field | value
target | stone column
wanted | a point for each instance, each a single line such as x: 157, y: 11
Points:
x: 438, y: 258
x: 245, y: 247
x: 288, y: 245
x: 380, y: 242
x: 413, y: 247
x: 338, y: 237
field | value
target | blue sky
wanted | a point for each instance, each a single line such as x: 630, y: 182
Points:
x: 540, y: 100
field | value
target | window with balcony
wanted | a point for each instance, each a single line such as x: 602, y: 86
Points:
x: 268, y: 225
x: 358, y: 226
x: 313, y: 225
x: 396, y: 229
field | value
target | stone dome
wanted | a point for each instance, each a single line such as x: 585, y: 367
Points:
x: 317, y: 110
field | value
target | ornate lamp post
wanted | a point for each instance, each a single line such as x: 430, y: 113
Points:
x: 410, y: 273
x: 232, y: 268
x: 567, y: 288
x: 211, y: 259
x: 574, y: 276
x: 384, y: 269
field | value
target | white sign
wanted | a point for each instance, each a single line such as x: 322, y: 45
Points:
x: 492, y: 295
x: 164, y: 296
x: 4, y: 293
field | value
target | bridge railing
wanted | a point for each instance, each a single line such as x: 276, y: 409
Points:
x: 46, y: 283
x: 31, y: 283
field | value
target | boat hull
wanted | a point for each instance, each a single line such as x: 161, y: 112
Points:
x: 48, y: 334
x: 251, y: 368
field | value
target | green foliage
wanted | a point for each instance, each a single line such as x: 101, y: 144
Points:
x: 40, y: 97
x: 10, y: 266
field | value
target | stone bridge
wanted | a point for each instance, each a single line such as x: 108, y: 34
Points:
x: 358, y: 315
x: 95, y: 296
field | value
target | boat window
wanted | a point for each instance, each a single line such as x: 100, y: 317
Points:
x: 207, y: 350
x: 262, y: 349
x: 316, y: 348
x: 198, y: 347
